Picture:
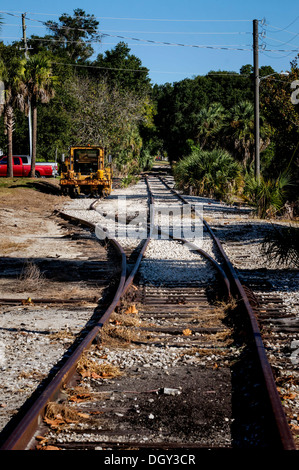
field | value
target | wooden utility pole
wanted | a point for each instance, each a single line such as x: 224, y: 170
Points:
x: 256, y: 98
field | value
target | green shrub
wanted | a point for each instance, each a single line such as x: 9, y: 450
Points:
x: 283, y: 245
x: 209, y: 173
x: 267, y: 195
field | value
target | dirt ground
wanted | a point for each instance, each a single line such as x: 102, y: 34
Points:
x: 42, y: 257
x: 26, y: 217
x: 38, y: 250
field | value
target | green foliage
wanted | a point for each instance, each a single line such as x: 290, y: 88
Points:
x: 110, y: 100
x: 267, y: 195
x: 70, y: 36
x: 110, y: 117
x: 210, y: 122
x: 208, y: 173
x: 123, y: 69
x: 282, y: 245
x: 129, y: 179
x: 283, y: 116
x: 146, y: 160
x: 114, y: 110
x: 39, y: 80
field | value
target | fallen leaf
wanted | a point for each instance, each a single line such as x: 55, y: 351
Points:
x: 80, y: 397
x: 94, y: 375
x: 289, y: 396
x: 131, y: 310
x: 187, y: 332
x: 27, y: 301
x: 294, y: 427
x: 49, y: 448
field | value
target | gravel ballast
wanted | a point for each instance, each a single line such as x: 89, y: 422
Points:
x: 28, y: 350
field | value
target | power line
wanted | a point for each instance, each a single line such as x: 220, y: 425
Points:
x: 171, y: 20
x: 145, y: 70
x: 155, y: 42
x: 177, y: 44
x: 235, y: 48
x: 280, y: 29
x: 178, y: 32
x: 103, y: 68
x: 282, y: 42
x: 141, y: 19
x: 284, y: 29
x: 142, y: 32
x: 88, y: 41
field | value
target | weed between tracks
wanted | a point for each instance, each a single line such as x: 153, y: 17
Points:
x: 88, y: 368
x: 215, y: 315
x: 119, y: 330
x: 31, y: 277
x: 61, y: 413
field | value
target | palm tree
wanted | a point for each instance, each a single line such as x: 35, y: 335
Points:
x: 12, y: 76
x: 239, y: 131
x: 209, y: 173
x: 40, y: 87
x: 210, y: 122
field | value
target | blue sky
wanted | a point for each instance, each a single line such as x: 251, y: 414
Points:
x: 201, y: 35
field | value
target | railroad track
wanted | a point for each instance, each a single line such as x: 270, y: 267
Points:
x: 175, y: 361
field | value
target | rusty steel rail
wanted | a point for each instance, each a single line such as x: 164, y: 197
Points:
x: 275, y: 402
x: 197, y: 249
x: 23, y: 432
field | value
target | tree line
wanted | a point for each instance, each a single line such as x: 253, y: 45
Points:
x: 207, y: 121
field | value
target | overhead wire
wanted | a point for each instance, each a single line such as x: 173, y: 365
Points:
x: 46, y: 24
x: 264, y: 46
x: 138, y: 19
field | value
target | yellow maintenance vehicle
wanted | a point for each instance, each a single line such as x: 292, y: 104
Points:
x: 84, y: 172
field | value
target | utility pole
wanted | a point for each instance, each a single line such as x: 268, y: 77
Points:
x: 29, y: 103
x: 256, y: 98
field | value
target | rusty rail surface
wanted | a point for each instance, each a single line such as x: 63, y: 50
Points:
x: 23, y: 433
x: 275, y: 402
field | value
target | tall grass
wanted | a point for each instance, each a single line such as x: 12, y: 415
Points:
x: 208, y: 173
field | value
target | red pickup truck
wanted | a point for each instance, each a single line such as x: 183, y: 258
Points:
x: 21, y: 168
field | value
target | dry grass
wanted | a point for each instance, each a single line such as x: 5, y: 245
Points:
x: 58, y: 415
x: 205, y: 352
x: 31, y: 277
x: 62, y: 335
x: 214, y: 316
x: 114, y: 335
x: 8, y: 246
x: 89, y: 368
x: 33, y: 374
x: 125, y: 319
x: 122, y: 329
x: 81, y: 393
x: 61, y: 411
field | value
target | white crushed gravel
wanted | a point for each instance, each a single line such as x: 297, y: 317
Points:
x: 26, y: 350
